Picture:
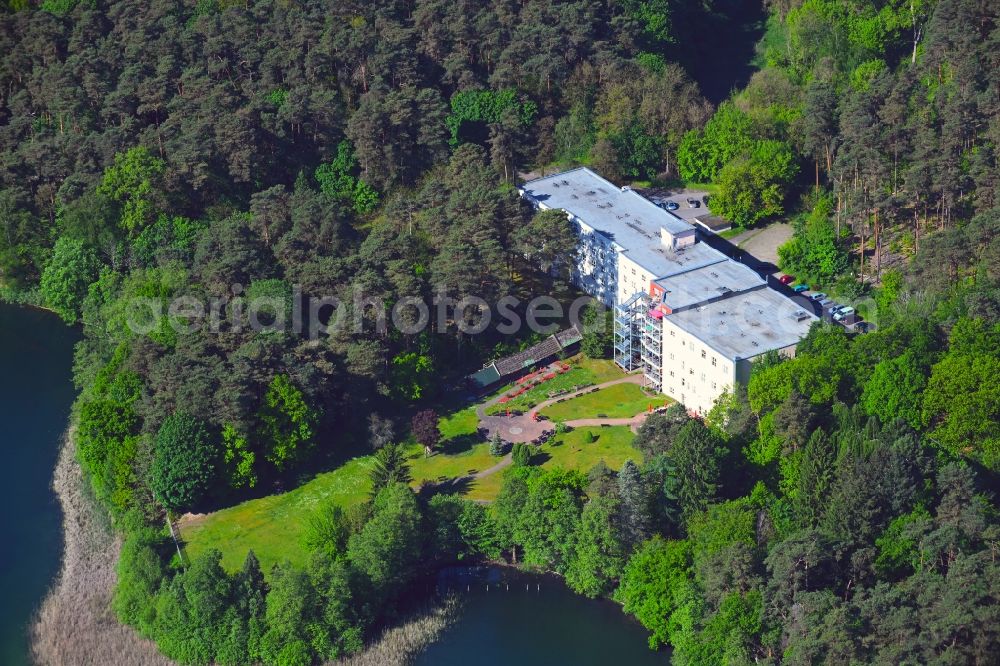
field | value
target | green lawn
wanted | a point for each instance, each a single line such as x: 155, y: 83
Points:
x: 274, y: 526
x: 584, y: 372
x: 461, y: 423
x: 571, y: 450
x: 443, y: 466
x: 618, y: 401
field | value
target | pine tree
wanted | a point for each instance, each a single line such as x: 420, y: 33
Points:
x: 635, y: 507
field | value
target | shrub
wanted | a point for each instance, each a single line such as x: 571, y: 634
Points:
x: 522, y: 454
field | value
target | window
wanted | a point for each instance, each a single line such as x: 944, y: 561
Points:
x: 713, y: 386
x: 703, y: 353
x: 703, y: 376
x: 682, y: 381
x: 671, y: 356
x: 671, y: 373
x: 713, y: 360
x: 671, y: 334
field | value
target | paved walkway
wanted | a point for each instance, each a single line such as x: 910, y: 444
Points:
x: 525, y: 428
x: 633, y: 423
x: 504, y: 463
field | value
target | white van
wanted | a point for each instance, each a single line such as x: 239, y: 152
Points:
x: 843, y: 313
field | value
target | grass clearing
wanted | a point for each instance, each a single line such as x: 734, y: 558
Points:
x: 584, y: 372
x: 443, y: 466
x: 571, y: 450
x: 274, y: 526
x: 617, y: 402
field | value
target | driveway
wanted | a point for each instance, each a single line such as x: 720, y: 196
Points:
x: 763, y: 243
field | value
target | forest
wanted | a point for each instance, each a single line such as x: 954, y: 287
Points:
x: 840, y: 507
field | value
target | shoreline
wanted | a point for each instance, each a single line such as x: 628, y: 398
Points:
x: 74, y: 623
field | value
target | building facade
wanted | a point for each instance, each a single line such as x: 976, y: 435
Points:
x: 689, y: 317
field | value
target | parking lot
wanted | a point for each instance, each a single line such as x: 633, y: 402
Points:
x: 684, y: 210
x: 824, y: 311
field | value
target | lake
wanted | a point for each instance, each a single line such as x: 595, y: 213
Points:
x: 545, y: 624
x: 36, y: 358
x: 532, y: 620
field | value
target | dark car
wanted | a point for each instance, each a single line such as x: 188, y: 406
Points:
x: 671, y: 205
x: 694, y: 203
x: 704, y: 199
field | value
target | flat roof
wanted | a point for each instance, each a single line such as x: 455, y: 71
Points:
x: 625, y: 217
x: 746, y: 325
x: 713, y: 223
x: 708, y: 283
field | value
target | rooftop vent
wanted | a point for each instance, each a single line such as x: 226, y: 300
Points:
x: 591, y: 193
x: 754, y: 343
x: 714, y: 274
x: 565, y: 182
x: 574, y: 196
x: 555, y: 184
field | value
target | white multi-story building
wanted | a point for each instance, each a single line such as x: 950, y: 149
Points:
x: 690, y: 317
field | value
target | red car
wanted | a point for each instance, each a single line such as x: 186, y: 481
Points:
x: 786, y: 279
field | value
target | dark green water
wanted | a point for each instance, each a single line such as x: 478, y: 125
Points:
x: 36, y: 356
x: 543, y: 625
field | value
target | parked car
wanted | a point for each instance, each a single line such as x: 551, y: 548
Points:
x: 864, y: 327
x: 786, y: 279
x: 672, y: 205
x: 826, y: 302
x: 819, y: 296
x: 799, y: 288
x: 844, y: 313
x: 694, y: 203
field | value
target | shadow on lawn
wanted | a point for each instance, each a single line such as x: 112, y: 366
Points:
x: 460, y: 444
x: 457, y: 486
x: 540, y: 458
